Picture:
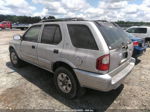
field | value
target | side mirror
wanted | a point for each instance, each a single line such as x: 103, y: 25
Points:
x: 17, y: 37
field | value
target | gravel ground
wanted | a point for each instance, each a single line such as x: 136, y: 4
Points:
x: 32, y: 88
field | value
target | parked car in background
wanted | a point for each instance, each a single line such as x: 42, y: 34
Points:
x: 80, y: 53
x: 141, y: 32
x: 21, y: 26
x: 139, y: 45
x: 5, y: 24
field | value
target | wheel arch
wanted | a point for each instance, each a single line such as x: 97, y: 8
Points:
x: 14, y: 48
x: 62, y: 64
x: 11, y: 47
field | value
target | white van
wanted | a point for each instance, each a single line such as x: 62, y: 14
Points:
x: 141, y: 32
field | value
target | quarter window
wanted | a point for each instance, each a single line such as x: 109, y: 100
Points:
x: 82, y: 37
x: 32, y: 34
x: 51, y: 34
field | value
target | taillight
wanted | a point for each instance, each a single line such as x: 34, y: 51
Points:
x: 135, y: 43
x: 103, y: 63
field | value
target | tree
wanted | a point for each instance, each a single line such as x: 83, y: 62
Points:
x: 20, y: 19
x: 49, y: 17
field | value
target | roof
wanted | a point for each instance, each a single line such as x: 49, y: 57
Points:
x: 69, y: 19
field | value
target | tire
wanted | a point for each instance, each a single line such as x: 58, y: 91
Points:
x: 21, y: 28
x: 66, y: 83
x: 148, y: 43
x: 16, y: 62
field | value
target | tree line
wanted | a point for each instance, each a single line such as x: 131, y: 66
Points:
x: 31, y: 20
x: 129, y: 23
x: 23, y: 19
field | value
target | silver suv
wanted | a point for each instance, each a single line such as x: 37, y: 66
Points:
x: 81, y: 53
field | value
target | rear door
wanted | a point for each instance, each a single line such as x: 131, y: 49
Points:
x: 82, y: 48
x: 29, y: 44
x: 120, y: 45
x: 50, y: 46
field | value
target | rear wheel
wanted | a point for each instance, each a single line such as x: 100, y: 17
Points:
x: 148, y: 43
x: 16, y: 62
x: 66, y: 83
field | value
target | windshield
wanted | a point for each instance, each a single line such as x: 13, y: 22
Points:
x: 113, y: 34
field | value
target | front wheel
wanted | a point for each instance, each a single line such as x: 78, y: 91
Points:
x: 16, y: 62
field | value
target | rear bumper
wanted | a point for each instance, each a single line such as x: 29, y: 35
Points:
x: 104, y: 82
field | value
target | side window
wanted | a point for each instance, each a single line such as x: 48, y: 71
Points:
x: 137, y: 30
x: 51, y: 34
x: 57, y: 37
x: 131, y: 30
x: 32, y: 34
x: 141, y: 30
x: 82, y: 37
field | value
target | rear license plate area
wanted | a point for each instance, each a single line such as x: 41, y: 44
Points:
x: 124, y: 55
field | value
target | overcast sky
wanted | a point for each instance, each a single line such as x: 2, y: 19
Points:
x: 128, y: 10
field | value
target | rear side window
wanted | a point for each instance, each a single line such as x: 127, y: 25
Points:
x: 51, y: 34
x: 137, y: 30
x: 82, y: 37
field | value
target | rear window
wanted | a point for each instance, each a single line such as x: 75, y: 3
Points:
x: 113, y: 34
x: 137, y: 30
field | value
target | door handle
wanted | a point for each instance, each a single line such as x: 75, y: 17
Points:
x: 56, y: 51
x: 33, y: 47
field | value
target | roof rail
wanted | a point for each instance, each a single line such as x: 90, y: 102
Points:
x: 102, y: 20
x: 63, y: 19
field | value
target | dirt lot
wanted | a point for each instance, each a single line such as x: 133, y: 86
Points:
x: 32, y: 88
